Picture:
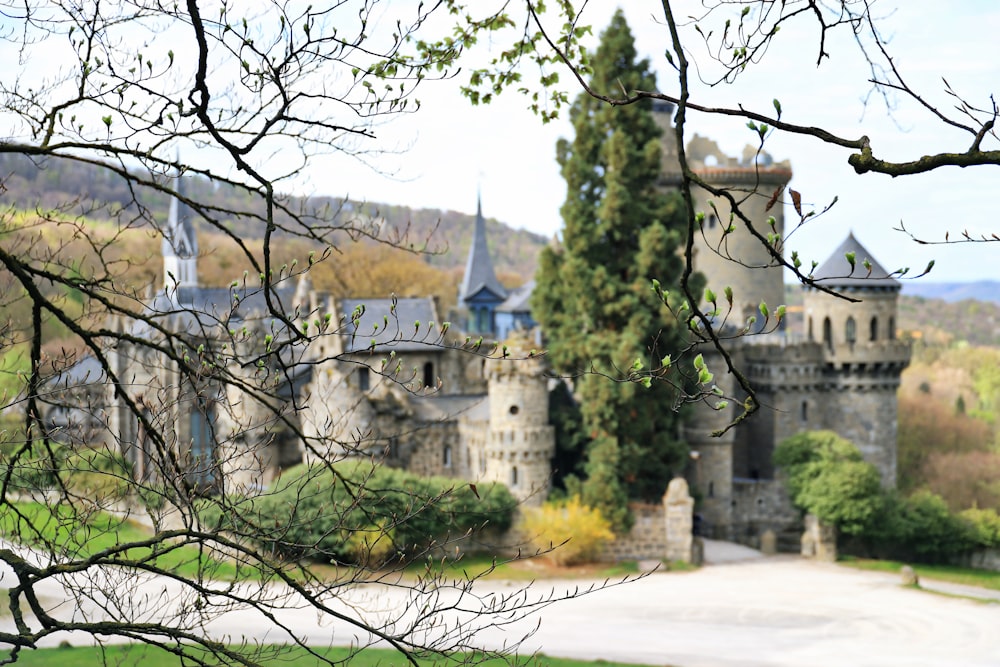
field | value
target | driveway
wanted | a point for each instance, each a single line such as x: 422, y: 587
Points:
x: 744, y: 610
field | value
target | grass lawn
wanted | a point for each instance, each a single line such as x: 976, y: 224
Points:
x: 950, y: 573
x: 146, y: 656
x: 57, y: 526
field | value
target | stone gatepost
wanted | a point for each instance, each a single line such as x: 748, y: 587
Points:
x: 679, y: 512
x: 819, y: 540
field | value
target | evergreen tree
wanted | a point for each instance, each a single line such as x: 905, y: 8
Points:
x: 593, y: 295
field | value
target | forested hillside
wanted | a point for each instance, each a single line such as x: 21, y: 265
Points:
x: 79, y: 188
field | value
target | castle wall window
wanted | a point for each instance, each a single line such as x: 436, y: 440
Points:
x: 364, y: 379
x: 429, y: 380
x: 202, y: 452
x: 804, y: 411
x: 447, y: 456
x: 892, y: 328
x: 851, y: 330
x: 513, y: 477
x: 873, y: 330
x: 810, y: 328
x: 827, y: 332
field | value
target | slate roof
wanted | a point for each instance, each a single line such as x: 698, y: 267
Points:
x: 479, y: 273
x: 439, y: 408
x: 395, y: 327
x: 518, y: 299
x: 836, y: 271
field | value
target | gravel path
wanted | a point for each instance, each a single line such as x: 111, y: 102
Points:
x: 740, y: 610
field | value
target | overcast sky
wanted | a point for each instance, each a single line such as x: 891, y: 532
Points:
x: 449, y: 148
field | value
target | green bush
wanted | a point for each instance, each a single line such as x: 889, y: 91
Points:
x: 31, y: 466
x: 919, y: 528
x: 984, y: 526
x: 826, y: 476
x: 573, y: 531
x: 357, y: 513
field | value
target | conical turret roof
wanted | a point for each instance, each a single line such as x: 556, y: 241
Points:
x: 837, y: 271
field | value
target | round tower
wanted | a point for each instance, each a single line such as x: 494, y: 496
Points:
x: 862, y: 359
x: 520, y: 443
x: 725, y: 251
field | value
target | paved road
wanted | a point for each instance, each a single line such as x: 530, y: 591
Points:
x: 744, y: 611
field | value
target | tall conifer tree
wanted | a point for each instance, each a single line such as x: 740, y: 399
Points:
x: 594, y: 297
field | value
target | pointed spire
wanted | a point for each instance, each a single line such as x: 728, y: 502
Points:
x: 479, y: 273
x: 180, y: 242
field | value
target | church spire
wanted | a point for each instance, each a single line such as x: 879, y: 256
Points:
x: 479, y: 274
x: 180, y: 243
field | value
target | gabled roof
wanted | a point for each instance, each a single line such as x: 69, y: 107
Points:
x: 179, y: 237
x: 836, y: 271
x: 390, y: 328
x: 518, y: 300
x: 479, y: 273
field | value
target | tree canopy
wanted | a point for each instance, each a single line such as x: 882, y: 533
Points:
x: 593, y: 298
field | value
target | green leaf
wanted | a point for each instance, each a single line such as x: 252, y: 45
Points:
x: 763, y: 309
x: 107, y: 120
x: 777, y: 107
x: 850, y: 259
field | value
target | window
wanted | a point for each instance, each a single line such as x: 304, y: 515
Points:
x: 513, y: 476
x: 851, y: 330
x: 202, y: 452
x: 827, y: 332
x: 447, y: 456
x: 892, y: 328
x: 712, y: 221
x: 804, y: 411
x: 429, y: 379
x: 364, y: 379
x: 873, y: 330
x: 810, y: 328
x: 514, y: 410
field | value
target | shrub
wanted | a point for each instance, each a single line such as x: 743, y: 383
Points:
x: 827, y: 476
x: 573, y: 531
x: 984, y: 526
x: 364, y: 514
x: 919, y: 528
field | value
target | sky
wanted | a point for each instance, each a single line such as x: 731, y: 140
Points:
x: 450, y: 150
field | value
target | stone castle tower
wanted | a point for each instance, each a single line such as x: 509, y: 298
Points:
x: 840, y: 372
x: 521, y: 443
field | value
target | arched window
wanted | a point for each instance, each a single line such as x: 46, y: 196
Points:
x: 827, y: 332
x: 804, y: 411
x: 873, y: 329
x: 851, y: 330
x: 429, y: 379
x: 892, y: 328
x: 202, y: 453
x: 513, y: 476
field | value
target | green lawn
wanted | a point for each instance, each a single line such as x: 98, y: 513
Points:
x: 58, y: 530
x: 133, y: 656
x: 950, y: 573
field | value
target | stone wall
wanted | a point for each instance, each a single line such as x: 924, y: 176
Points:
x: 647, y: 539
x: 763, y: 505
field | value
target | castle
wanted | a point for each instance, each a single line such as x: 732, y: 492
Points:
x: 383, y: 385
x: 839, y: 373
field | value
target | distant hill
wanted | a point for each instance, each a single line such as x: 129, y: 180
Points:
x: 83, y: 189
x: 981, y: 290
